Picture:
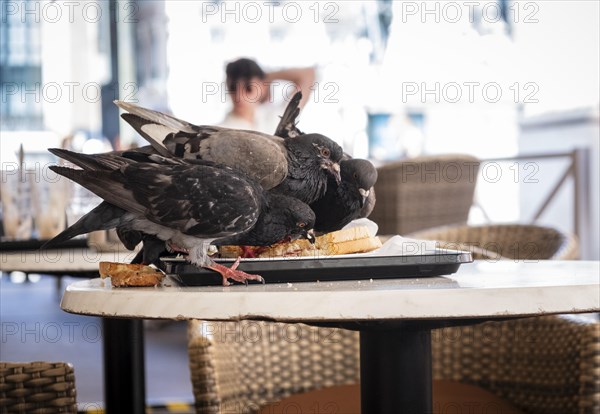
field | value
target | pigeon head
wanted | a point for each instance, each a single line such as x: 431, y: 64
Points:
x: 360, y: 175
x: 294, y: 215
x: 283, y: 218
x: 318, y: 151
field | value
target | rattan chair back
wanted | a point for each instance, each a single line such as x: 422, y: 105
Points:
x: 424, y: 192
x: 511, y: 241
x: 238, y: 366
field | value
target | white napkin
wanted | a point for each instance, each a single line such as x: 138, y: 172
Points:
x: 397, y: 245
x: 371, y: 225
x: 404, y: 246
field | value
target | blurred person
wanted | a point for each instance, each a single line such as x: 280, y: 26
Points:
x: 254, y: 94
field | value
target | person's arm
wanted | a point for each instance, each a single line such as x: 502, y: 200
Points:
x: 303, y: 78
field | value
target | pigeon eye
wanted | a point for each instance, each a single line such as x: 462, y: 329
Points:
x: 325, y: 152
x: 355, y: 175
x: 301, y: 224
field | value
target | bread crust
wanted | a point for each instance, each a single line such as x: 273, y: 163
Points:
x: 130, y: 275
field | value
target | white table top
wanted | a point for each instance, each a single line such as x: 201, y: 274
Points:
x: 69, y: 260
x: 481, y: 289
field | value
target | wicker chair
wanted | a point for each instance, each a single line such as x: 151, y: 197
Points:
x: 541, y: 365
x: 237, y: 367
x: 37, y: 388
x: 547, y: 364
x: 509, y: 241
x: 424, y: 192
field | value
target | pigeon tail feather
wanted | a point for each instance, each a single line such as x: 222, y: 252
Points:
x: 103, y: 217
x: 105, y: 185
x: 106, y: 162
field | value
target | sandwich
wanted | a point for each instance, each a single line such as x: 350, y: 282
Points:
x: 345, y: 241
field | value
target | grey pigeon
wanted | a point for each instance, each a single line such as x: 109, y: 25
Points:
x: 187, y: 204
x: 344, y: 202
x: 298, y: 168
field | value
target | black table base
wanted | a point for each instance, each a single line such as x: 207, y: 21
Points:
x: 124, y: 371
x: 395, y: 371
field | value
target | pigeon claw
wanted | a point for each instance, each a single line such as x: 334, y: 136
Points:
x: 234, y: 274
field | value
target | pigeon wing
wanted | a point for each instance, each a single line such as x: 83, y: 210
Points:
x: 260, y: 156
x: 156, y: 117
x: 200, y: 201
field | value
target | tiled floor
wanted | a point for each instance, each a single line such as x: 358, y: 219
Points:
x: 33, y: 327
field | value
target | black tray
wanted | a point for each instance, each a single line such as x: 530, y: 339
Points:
x: 330, y: 268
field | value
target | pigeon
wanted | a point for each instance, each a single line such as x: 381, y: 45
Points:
x: 297, y: 168
x: 186, y: 203
x: 272, y: 226
x: 343, y: 203
x: 330, y: 218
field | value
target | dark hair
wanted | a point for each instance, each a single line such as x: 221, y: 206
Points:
x: 242, y: 70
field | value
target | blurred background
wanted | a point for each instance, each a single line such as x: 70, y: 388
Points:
x: 513, y: 83
x: 495, y: 79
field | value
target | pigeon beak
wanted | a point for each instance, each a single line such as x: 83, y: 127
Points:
x: 365, y: 194
x: 310, y: 236
x: 333, y: 168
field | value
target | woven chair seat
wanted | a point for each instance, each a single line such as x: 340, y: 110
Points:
x: 37, y: 388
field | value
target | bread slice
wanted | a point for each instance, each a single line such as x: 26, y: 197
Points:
x: 124, y: 275
x: 363, y: 245
x: 344, y: 235
x: 346, y: 241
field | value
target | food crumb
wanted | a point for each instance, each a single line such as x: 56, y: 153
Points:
x: 289, y: 284
x: 371, y: 280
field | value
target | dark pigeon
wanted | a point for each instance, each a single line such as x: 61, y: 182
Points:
x: 298, y: 168
x: 273, y: 226
x: 309, y: 156
x: 343, y: 203
x: 288, y: 129
x: 187, y: 204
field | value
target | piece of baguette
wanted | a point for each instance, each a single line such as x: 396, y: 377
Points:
x: 124, y: 275
x: 346, y: 241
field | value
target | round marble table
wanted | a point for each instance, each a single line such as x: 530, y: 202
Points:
x: 394, y: 316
